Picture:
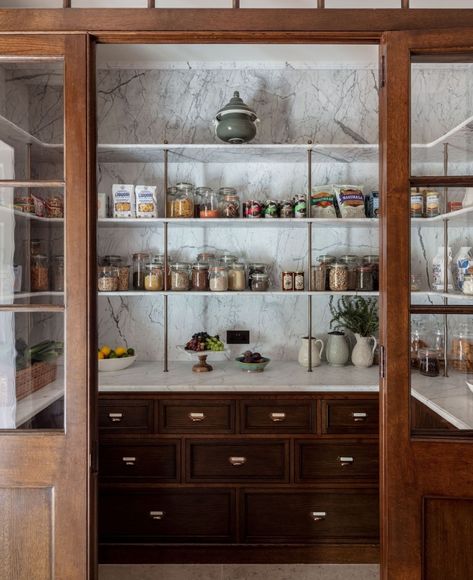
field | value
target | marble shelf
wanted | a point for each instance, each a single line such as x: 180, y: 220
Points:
x: 240, y: 222
x: 33, y: 404
x: 30, y: 216
x: 458, y: 218
x: 134, y: 293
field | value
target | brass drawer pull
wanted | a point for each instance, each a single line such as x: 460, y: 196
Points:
x: 345, y: 461
x: 237, y: 461
x: 359, y: 417
x: 277, y: 417
x: 158, y: 515
x: 129, y: 460
x: 318, y: 516
x: 197, y: 417
x: 115, y: 417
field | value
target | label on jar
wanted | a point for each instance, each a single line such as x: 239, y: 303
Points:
x: 299, y: 281
x: 432, y: 204
x: 288, y: 281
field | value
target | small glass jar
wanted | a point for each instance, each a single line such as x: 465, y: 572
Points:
x: 373, y: 261
x: 180, y: 276
x: 259, y: 282
x: 236, y: 277
x: 39, y: 273
x: 326, y: 261
x: 429, y: 362
x: 200, y: 276
x: 351, y: 262
x: 364, y: 278
x: 107, y: 279
x: 230, y: 202
x: 254, y: 209
x: 35, y: 247
x: 433, y: 201
x: 154, y: 278
x: 415, y: 282
x: 271, y: 209
x: 299, y: 282
x: 183, y: 201
x: 199, y: 195
x: 123, y: 271
x: 461, y: 355
x: 256, y: 268
x: 140, y: 260
x: 286, y: 209
x: 467, y: 287
x: 338, y: 277
x: 319, y: 277
x: 210, y: 205
x: 417, y: 203
x: 58, y: 274
x: 218, y: 278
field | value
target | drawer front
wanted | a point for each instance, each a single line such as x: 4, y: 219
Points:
x: 336, y: 460
x: 351, y: 417
x: 196, y: 417
x: 124, y: 416
x: 237, y: 461
x: 132, y: 460
x: 167, y: 515
x: 303, y: 516
x: 277, y: 416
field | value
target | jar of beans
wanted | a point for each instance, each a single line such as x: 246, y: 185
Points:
x: 107, y: 279
x: 200, y: 276
x: 154, y: 278
x: 364, y: 278
x: 326, y: 261
x: 230, y: 204
x: 218, y: 278
x: 180, y: 276
x: 39, y: 273
x: 338, y: 277
x: 373, y: 261
x: 319, y: 277
x: 259, y: 282
x: 123, y: 271
x: 236, y: 277
x: 351, y: 264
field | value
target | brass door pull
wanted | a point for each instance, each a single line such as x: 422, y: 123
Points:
x: 359, y: 417
x: 318, y: 516
x: 197, y: 417
x: 346, y: 461
x: 157, y: 515
x: 129, y: 460
x: 237, y: 461
x: 115, y: 417
x: 277, y: 417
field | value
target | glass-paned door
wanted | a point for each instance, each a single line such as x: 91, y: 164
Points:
x: 44, y: 306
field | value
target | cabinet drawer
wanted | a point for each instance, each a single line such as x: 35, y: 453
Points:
x: 277, y: 416
x: 306, y: 516
x: 196, y: 417
x: 167, y: 515
x: 237, y: 461
x: 125, y: 416
x: 351, y: 416
x: 328, y: 460
x: 143, y: 459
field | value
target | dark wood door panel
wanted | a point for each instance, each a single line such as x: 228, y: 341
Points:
x: 337, y: 460
x: 308, y: 516
x: 228, y: 460
x: 278, y: 416
x: 126, y: 416
x: 196, y: 416
x: 166, y: 515
x: 350, y: 417
x: 132, y: 459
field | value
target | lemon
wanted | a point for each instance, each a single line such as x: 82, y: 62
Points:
x: 101, y: 356
x: 105, y: 350
x: 120, y: 351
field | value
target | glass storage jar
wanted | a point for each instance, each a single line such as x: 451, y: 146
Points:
x: 35, y: 247
x: 256, y: 268
x: 183, y: 201
x: 140, y: 260
x: 210, y: 205
x: 154, y: 278
x: 462, y: 348
x: 230, y: 204
x: 170, y: 197
x: 351, y: 262
x: 259, y: 282
x: 180, y: 276
x: 199, y: 194
x: 218, y: 278
x: 418, y: 341
x: 227, y: 259
x: 123, y: 271
x: 39, y: 273
x: 236, y: 277
x: 417, y: 203
x: 200, y: 276
x: 58, y: 274
x: 338, y: 277
x: 429, y: 362
x: 374, y: 262
x: 364, y: 278
x: 467, y: 287
x: 319, y: 277
x: 326, y: 261
x: 107, y: 279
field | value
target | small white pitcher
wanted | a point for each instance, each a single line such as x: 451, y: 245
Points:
x: 303, y: 357
x: 363, y: 352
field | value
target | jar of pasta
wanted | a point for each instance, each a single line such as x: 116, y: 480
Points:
x: 236, y: 277
x: 180, y: 276
x: 183, y: 201
x: 218, y: 278
x: 200, y: 276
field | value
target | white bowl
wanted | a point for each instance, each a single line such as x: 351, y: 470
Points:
x: 108, y: 365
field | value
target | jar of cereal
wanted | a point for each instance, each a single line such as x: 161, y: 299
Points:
x: 236, y: 277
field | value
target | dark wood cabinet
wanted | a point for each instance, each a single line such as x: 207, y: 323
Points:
x: 126, y: 415
x: 277, y: 416
x: 350, y: 417
x: 196, y: 416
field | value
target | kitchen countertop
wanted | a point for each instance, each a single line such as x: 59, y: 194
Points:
x: 38, y: 401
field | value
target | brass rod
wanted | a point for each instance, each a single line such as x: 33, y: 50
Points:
x: 320, y: 3
x: 405, y: 4
x: 236, y: 3
x: 445, y: 263
x: 165, y: 305
x: 30, y: 183
x: 309, y: 255
x: 151, y: 4
x: 165, y: 316
x: 309, y: 341
x: 166, y: 160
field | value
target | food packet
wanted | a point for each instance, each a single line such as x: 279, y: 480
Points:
x: 123, y: 201
x: 146, y: 201
x: 351, y: 201
x: 323, y: 202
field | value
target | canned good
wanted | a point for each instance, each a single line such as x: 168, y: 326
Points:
x: 288, y: 281
x: 300, y: 206
x: 271, y: 209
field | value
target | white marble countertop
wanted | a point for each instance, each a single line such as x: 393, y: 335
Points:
x: 278, y: 377
x: 38, y: 401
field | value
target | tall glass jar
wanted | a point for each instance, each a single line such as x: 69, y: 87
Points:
x: 462, y: 348
x: 319, y: 277
x: 338, y: 277
x: 170, y: 197
x: 236, y: 277
x: 199, y: 194
x: 39, y: 273
x: 210, y: 205
x: 218, y: 278
x: 140, y: 261
x: 326, y: 261
x: 58, y: 274
x: 180, y: 276
x: 200, y: 276
x: 123, y: 270
x: 351, y: 262
x: 373, y: 261
x: 154, y: 278
x: 418, y: 341
x: 230, y: 204
x: 364, y: 278
x: 183, y: 201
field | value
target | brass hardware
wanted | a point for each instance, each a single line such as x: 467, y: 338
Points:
x: 115, y: 417
x: 277, y: 417
x: 359, y: 417
x: 197, y: 417
x: 318, y: 516
x: 129, y: 460
x: 157, y: 515
x: 237, y: 461
x: 345, y: 461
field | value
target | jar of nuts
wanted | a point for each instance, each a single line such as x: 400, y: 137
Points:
x: 338, y: 277
x: 180, y: 276
x: 107, y: 279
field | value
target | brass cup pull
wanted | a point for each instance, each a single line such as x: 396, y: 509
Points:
x: 197, y: 417
x: 277, y: 417
x: 115, y: 417
x: 157, y: 515
x: 237, y: 461
x: 359, y: 417
x: 129, y: 460
x: 346, y: 461
x: 318, y: 516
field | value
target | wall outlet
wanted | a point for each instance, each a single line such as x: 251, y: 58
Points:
x: 238, y: 337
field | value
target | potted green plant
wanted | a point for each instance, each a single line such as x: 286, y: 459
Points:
x: 360, y: 316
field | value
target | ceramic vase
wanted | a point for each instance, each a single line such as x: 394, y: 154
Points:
x: 363, y: 351
x: 337, y: 352
x: 317, y: 348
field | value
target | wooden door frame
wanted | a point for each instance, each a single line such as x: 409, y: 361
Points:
x: 413, y: 468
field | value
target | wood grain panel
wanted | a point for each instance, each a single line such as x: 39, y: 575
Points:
x: 26, y: 547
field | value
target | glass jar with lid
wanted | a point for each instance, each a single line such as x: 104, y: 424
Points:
x: 154, y: 277
x: 256, y: 268
x: 236, y: 277
x: 467, y: 287
x: 319, y: 277
x: 418, y: 341
x: 35, y: 247
x: 58, y: 274
x: 429, y: 362
x: 462, y: 348
x: 326, y: 261
x: 171, y: 194
x: 227, y: 259
x: 199, y: 194
x: 140, y: 261
x: 200, y: 276
x: 183, y: 201
x: 107, y: 279
x: 123, y: 270
x: 180, y: 276
x: 39, y: 273
x: 230, y: 202
x: 206, y: 257
x: 338, y: 277
x: 373, y: 260
x: 218, y: 278
x: 364, y: 278
x: 259, y: 282
x: 351, y: 262
x: 210, y: 205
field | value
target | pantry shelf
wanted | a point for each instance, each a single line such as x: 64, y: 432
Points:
x: 459, y: 217
x: 30, y: 216
x: 42, y: 152
x: 240, y: 222
x: 134, y: 293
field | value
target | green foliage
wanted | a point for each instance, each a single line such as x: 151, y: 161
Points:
x: 355, y: 313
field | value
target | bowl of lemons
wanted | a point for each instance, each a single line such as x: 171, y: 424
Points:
x: 115, y: 359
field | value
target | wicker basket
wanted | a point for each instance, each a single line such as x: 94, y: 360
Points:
x: 34, y: 378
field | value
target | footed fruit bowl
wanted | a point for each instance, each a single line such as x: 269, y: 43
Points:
x: 251, y: 363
